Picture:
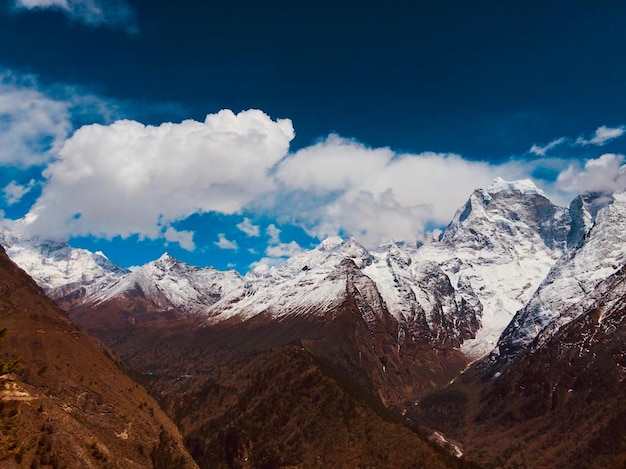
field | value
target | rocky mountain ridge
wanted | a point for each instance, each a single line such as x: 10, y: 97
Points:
x: 462, y: 289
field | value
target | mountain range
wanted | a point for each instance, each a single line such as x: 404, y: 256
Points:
x: 502, y: 340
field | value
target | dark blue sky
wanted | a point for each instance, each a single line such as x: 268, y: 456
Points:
x: 485, y: 80
x: 478, y: 78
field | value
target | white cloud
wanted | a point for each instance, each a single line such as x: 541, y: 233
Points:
x: 127, y: 178
x: 183, y: 238
x: 35, y: 121
x: 339, y: 185
x: 33, y: 126
x: 542, y: 150
x: 274, y: 233
x: 266, y: 263
x: 602, y: 136
x: 283, y: 250
x: 248, y: 228
x: 112, y: 13
x: 606, y: 173
x: 13, y: 192
x: 276, y: 252
x: 224, y: 243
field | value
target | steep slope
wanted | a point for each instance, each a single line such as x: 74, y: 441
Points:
x: 552, y: 394
x: 68, y: 404
x: 561, y: 402
x: 419, y: 298
x: 496, y: 251
x: 575, y: 282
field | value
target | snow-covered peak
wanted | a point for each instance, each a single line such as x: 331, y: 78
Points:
x: 524, y: 186
x: 101, y: 254
x: 54, y: 264
x: 562, y: 296
x: 165, y: 257
x: 170, y: 283
x: 330, y: 243
x: 167, y: 262
x: 498, y: 248
x: 620, y: 198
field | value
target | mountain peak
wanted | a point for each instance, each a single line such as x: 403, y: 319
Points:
x: 330, y: 243
x: 525, y: 186
x: 166, y: 261
x: 166, y: 257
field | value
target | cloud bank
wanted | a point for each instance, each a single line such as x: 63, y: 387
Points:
x: 128, y: 178
x: 95, y: 13
x: 605, y: 173
x: 374, y: 193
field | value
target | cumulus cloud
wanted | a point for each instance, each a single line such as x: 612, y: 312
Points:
x: 128, y: 178
x: 602, y: 136
x: 606, y: 173
x: 283, y: 250
x: 224, y: 243
x: 274, y: 233
x: 13, y: 192
x: 248, y: 228
x: 111, y: 13
x: 183, y: 238
x: 276, y: 251
x: 339, y: 185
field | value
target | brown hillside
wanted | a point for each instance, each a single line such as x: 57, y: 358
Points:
x: 67, y: 403
x: 253, y: 395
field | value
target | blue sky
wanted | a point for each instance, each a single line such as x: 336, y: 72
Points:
x: 375, y: 119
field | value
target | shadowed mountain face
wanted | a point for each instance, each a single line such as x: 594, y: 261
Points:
x: 253, y: 395
x: 568, y: 387
x: 68, y: 404
x: 561, y: 402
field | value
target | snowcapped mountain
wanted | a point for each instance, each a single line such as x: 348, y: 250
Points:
x: 578, y: 280
x: 461, y: 290
x: 171, y: 284
x: 56, y: 264
x: 496, y: 251
x: 560, y: 365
